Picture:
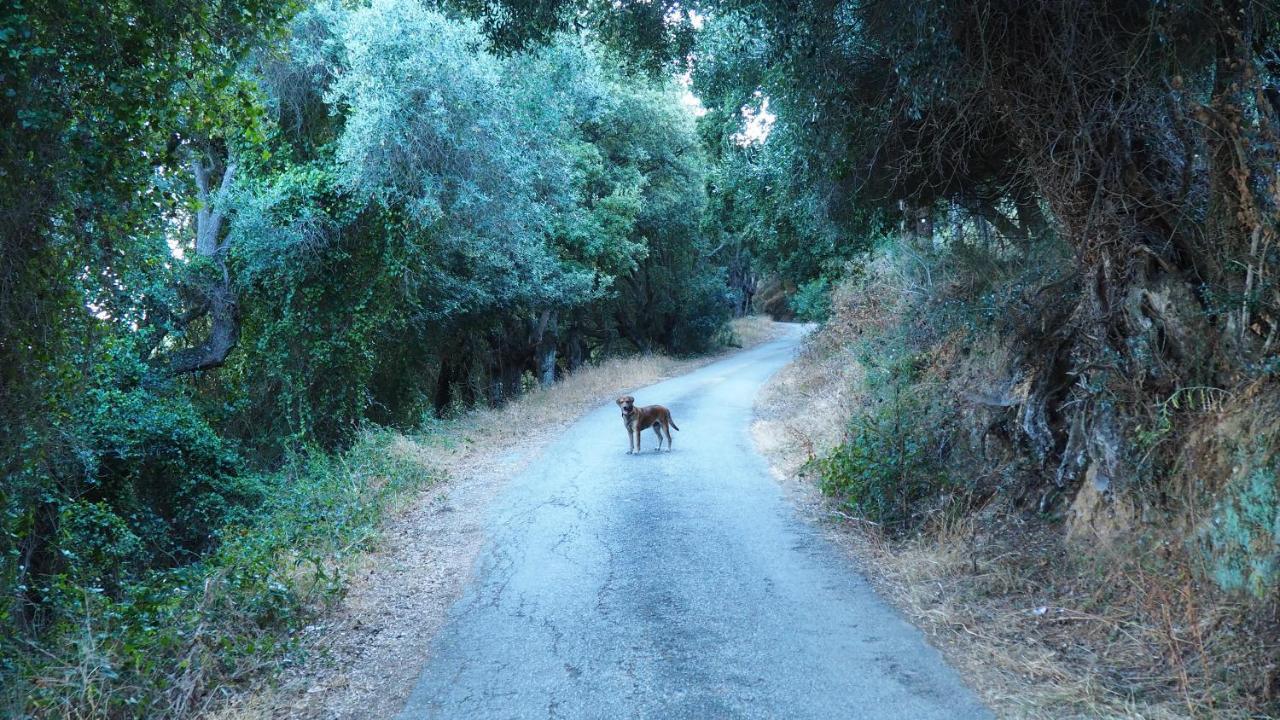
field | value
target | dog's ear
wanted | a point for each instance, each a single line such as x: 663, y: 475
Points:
x: 620, y: 400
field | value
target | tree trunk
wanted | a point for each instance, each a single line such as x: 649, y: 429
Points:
x: 444, y: 390
x: 224, y: 333
x: 1007, y: 229
x: 547, y: 366
x: 544, y: 342
x: 628, y: 331
x: 1232, y: 213
x: 512, y: 379
x: 217, y: 299
x: 744, y: 281
x: 573, y: 351
x: 495, y: 393
x: 1030, y: 217
x: 916, y: 226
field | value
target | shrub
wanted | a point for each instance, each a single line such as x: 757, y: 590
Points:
x: 880, y: 473
x: 891, y: 459
x: 812, y: 300
x: 155, y: 463
x: 152, y: 644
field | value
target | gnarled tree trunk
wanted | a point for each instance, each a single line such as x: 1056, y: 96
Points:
x: 544, y: 347
x: 217, y: 299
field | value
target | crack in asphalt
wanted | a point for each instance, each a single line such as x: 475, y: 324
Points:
x: 673, y: 585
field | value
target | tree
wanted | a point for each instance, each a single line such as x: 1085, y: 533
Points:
x: 1031, y: 116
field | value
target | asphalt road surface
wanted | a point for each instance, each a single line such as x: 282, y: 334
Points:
x: 674, y: 585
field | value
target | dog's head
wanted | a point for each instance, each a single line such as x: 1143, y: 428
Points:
x: 627, y: 403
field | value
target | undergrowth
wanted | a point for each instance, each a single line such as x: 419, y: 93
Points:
x: 1242, y: 540
x: 891, y: 458
x: 155, y: 645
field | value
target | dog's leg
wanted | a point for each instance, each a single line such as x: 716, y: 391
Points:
x: 657, y: 432
x: 667, y: 429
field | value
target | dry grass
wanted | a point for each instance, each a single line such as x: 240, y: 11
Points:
x: 1046, y: 634
x: 1040, y: 630
x: 751, y: 330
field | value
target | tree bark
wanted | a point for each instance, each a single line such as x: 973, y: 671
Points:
x: 444, y: 389
x: 209, y: 216
x: 1030, y: 218
x: 1231, y: 211
x: 744, y: 281
x: 1006, y: 227
x: 544, y: 347
x: 513, y: 379
x: 218, y: 299
x: 573, y: 350
x: 224, y: 333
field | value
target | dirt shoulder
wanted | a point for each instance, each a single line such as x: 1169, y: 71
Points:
x: 362, y: 659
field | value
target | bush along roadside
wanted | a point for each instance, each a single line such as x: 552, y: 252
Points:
x: 892, y: 457
x: 155, y: 644
x: 280, y: 223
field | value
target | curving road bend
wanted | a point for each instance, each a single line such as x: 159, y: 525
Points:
x: 674, y: 585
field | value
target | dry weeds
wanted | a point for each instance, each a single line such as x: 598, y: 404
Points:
x: 362, y: 660
x: 751, y: 330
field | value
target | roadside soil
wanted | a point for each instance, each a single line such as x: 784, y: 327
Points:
x: 362, y: 659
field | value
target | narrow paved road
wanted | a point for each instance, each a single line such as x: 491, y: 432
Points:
x: 674, y: 585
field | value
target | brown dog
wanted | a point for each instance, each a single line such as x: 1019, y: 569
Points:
x: 639, y: 419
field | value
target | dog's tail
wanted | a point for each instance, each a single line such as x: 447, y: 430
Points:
x: 673, y: 424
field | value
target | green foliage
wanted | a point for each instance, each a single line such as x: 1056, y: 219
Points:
x: 643, y: 36
x: 148, y: 644
x: 812, y: 300
x: 412, y: 222
x: 161, y: 466
x: 435, y: 132
x: 787, y: 227
x: 891, y: 460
